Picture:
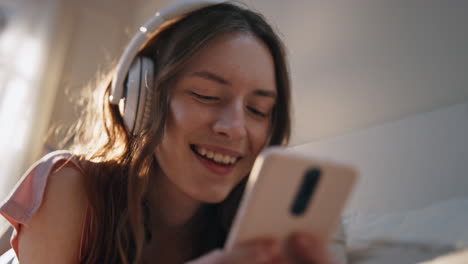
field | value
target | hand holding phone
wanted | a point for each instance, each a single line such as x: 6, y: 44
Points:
x: 289, y: 191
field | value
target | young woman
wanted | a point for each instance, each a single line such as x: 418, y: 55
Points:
x: 156, y: 177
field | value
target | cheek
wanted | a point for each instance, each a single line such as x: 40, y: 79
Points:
x: 179, y: 124
x: 259, y: 136
x: 187, y: 115
x: 179, y: 114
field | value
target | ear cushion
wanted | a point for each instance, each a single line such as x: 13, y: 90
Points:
x: 146, y: 94
x: 138, y: 86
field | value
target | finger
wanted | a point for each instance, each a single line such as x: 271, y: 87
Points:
x: 258, y: 251
x: 310, y: 249
x: 281, y: 259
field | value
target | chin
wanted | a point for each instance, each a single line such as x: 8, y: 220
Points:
x: 212, y: 197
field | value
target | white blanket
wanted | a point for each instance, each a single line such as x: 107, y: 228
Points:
x: 407, y: 237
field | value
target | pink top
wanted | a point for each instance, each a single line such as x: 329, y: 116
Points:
x: 26, y: 197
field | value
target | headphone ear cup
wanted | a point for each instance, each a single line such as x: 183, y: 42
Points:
x: 146, y: 94
x: 132, y: 91
x: 139, y: 82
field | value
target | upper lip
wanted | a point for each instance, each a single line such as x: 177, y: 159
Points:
x: 220, y: 150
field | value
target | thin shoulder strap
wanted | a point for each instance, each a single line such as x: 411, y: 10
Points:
x: 86, y: 230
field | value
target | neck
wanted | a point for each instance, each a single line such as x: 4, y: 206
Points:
x: 175, y: 219
x: 172, y: 208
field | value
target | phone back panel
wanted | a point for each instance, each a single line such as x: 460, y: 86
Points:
x: 273, y: 186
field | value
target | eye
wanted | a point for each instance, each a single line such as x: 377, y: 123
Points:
x: 204, y: 97
x: 257, y: 112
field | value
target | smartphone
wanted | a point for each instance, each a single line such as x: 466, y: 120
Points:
x: 290, y: 191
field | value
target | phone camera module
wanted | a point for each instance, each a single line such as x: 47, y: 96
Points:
x: 306, y: 190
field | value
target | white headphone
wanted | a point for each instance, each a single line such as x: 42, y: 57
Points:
x: 138, y: 72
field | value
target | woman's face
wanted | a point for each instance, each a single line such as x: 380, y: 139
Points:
x: 219, y: 117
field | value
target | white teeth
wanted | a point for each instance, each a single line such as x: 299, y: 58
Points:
x: 203, y: 151
x: 217, y: 157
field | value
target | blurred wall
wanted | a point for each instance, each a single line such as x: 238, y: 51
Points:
x: 360, y: 63
x: 31, y: 54
x: 405, y: 164
x: 98, y: 32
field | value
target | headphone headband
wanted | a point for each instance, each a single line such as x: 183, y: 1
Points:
x: 144, y: 34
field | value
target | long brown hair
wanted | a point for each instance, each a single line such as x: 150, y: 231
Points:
x: 118, y: 164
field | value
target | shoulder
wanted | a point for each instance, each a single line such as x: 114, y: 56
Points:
x: 65, y: 179
x: 64, y: 198
x: 54, y: 231
x: 26, y: 197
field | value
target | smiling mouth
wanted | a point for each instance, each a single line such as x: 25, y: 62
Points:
x: 217, y: 158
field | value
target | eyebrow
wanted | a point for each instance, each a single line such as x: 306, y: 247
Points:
x: 216, y: 78
x: 265, y: 93
x: 211, y: 76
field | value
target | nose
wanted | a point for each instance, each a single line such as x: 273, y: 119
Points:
x: 231, y: 122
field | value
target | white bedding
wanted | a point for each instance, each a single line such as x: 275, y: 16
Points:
x: 407, y: 237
